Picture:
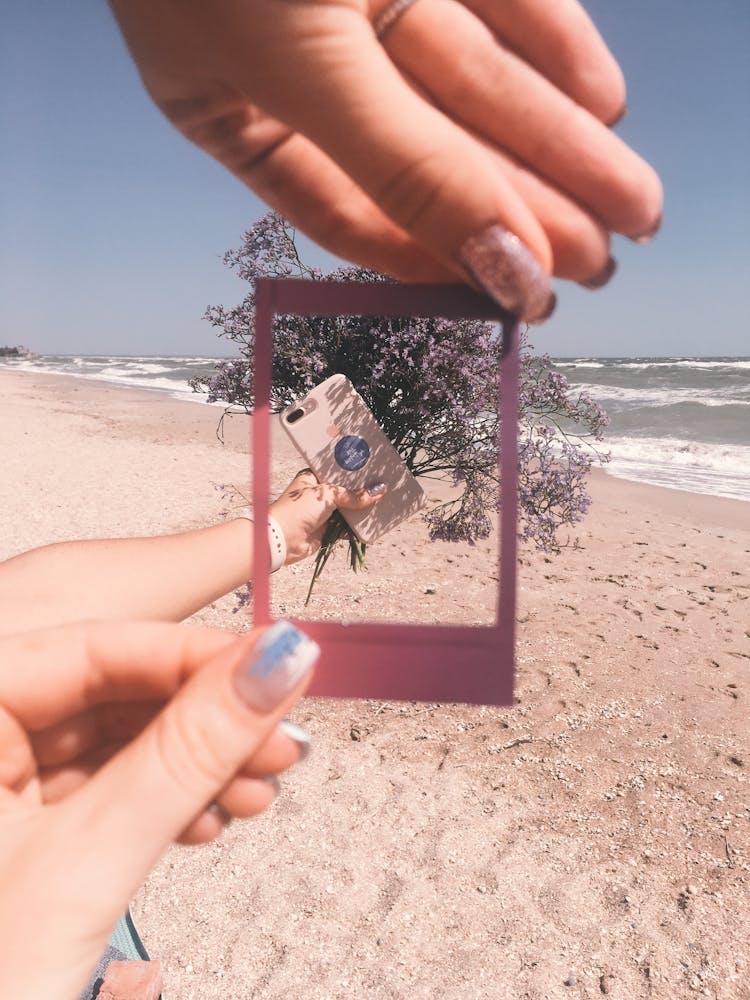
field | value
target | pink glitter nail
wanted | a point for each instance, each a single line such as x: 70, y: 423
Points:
x: 508, y: 271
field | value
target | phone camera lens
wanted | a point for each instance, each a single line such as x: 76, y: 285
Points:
x: 295, y: 415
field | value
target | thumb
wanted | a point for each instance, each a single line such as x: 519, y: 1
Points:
x: 346, y: 499
x: 139, y: 802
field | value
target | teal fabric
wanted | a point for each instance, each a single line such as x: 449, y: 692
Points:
x: 124, y: 943
x: 126, y: 939
x: 91, y: 990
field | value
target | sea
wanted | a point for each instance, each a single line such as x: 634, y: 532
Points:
x: 682, y: 423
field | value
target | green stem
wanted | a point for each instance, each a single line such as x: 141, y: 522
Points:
x: 336, y: 530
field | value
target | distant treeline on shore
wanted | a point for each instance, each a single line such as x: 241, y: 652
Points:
x: 14, y: 352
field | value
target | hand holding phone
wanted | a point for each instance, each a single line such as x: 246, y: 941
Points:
x: 339, y: 438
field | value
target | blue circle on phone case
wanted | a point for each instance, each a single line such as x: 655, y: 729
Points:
x: 351, y: 452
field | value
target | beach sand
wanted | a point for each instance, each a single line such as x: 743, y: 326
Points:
x: 592, y: 840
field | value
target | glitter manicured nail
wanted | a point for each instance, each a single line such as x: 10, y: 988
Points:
x: 509, y: 272
x: 601, y: 279
x: 376, y: 488
x: 299, y: 736
x: 274, y: 666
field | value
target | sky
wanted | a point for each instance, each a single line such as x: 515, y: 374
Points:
x: 112, y: 226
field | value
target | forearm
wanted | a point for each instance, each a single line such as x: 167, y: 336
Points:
x: 167, y: 577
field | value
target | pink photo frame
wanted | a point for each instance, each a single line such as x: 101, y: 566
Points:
x: 437, y: 663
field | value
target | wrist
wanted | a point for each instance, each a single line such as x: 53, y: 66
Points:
x: 276, y: 540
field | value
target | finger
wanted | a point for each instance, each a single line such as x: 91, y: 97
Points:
x: 243, y: 799
x: 560, y: 41
x: 17, y: 764
x: 207, y: 827
x: 304, y: 478
x: 286, y: 746
x: 114, y: 722
x: 302, y: 183
x: 63, y: 782
x: 65, y: 670
x: 346, y: 499
x: 59, y: 781
x: 580, y: 244
x: 286, y: 169
x: 144, y: 797
x: 81, y: 738
x: 431, y: 178
x: 547, y: 130
x: 295, y: 177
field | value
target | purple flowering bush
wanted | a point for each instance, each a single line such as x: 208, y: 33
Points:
x: 431, y: 385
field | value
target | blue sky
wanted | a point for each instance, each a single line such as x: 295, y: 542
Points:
x: 112, y: 226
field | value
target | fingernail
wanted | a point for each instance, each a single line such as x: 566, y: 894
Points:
x: 376, y: 488
x: 274, y: 666
x: 273, y: 781
x: 618, y: 117
x: 509, y: 272
x: 601, y: 279
x: 551, y: 305
x: 218, y: 810
x: 650, y: 233
x: 299, y: 736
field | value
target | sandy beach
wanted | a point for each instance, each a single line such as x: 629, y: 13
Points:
x: 592, y: 840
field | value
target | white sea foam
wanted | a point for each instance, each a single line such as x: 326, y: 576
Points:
x: 722, y: 470
x: 132, y: 373
x: 579, y: 364
x: 132, y: 380
x: 739, y: 365
x: 693, y: 413
x: 662, y: 396
x: 641, y: 364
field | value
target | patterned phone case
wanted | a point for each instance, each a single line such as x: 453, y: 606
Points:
x: 337, y: 435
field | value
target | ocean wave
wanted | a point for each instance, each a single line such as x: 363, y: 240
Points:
x: 693, y: 365
x: 579, y: 364
x: 127, y: 373
x: 673, y: 451
x: 135, y: 370
x: 135, y: 380
x: 729, y: 365
x: 720, y: 470
x: 642, y: 364
x: 666, y: 396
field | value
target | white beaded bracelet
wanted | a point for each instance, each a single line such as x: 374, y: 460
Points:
x: 276, y: 540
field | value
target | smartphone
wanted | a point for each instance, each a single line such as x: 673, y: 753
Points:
x: 335, y: 432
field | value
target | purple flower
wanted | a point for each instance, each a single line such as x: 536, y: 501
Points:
x: 431, y: 384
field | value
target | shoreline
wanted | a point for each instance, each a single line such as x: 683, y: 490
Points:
x: 668, y: 486
x: 599, y: 829
x: 176, y: 394
x: 596, y: 471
